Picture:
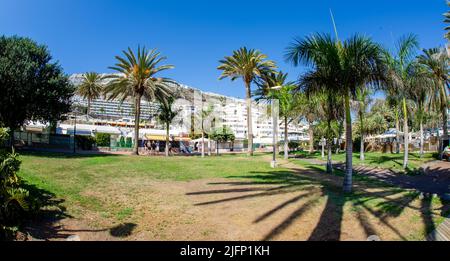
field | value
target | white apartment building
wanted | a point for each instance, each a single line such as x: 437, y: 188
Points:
x: 227, y: 111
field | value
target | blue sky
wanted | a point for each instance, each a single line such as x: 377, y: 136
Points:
x: 85, y: 35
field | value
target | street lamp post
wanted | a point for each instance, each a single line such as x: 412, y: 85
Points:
x: 274, y: 112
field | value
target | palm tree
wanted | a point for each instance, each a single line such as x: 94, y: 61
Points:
x: 436, y: 62
x: 136, y: 79
x: 248, y: 65
x: 363, y: 100
x: 402, y: 76
x: 308, y: 107
x: 91, y: 87
x: 341, y: 67
x: 166, y: 114
x: 447, y: 21
x: 203, y: 121
x: 285, y: 95
x: 287, y: 103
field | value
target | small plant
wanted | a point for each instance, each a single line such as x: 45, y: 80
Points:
x: 85, y: 142
x: 15, y: 201
x: 103, y: 139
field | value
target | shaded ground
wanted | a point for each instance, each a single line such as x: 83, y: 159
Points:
x: 253, y: 202
x: 432, y: 177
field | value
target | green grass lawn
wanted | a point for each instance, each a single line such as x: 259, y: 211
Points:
x: 376, y: 159
x: 113, y: 189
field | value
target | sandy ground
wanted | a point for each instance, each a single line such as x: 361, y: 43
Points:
x: 232, y: 209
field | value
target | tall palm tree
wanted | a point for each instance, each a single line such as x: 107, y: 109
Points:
x: 166, y: 114
x: 308, y: 107
x: 91, y: 87
x: 363, y: 100
x: 286, y: 97
x: 287, y: 103
x: 447, y: 21
x: 342, y: 67
x: 436, y: 61
x: 136, y: 79
x: 402, y: 77
x: 248, y: 65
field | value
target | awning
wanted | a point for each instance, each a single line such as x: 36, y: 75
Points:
x: 156, y: 137
x: 182, y: 139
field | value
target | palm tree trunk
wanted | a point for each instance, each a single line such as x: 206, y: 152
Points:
x: 349, y: 146
x: 203, y: 144
x: 286, y: 145
x: 397, y: 129
x: 137, y: 116
x: 167, y: 139
x: 444, y: 112
x: 209, y: 146
x: 89, y: 106
x: 329, y: 164
x: 405, y: 135
x: 311, y: 138
x: 361, y: 150
x: 249, y: 119
x: 421, y: 137
x: 323, y: 148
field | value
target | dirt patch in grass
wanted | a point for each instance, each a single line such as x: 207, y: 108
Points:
x: 236, y: 209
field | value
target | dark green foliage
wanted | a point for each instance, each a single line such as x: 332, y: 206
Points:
x: 15, y: 201
x: 129, y: 142
x: 103, y: 139
x: 85, y: 142
x: 122, y: 142
x: 293, y: 145
x: 31, y: 85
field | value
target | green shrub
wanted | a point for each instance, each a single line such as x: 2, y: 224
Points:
x: 103, y: 139
x: 122, y: 142
x: 129, y: 142
x: 85, y: 142
x: 15, y: 201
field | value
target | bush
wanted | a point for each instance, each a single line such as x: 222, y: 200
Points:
x: 85, y: 142
x: 15, y: 201
x: 122, y: 142
x: 129, y: 142
x: 293, y: 145
x: 103, y: 139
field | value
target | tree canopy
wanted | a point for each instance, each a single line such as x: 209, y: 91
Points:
x: 33, y: 87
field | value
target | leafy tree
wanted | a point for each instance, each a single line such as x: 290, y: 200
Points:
x: 91, y: 88
x: 436, y: 63
x: 341, y: 67
x: 32, y: 87
x: 248, y: 65
x: 222, y: 134
x: 401, y: 78
x: 447, y: 21
x: 136, y: 79
x: 362, y: 102
x: 166, y: 114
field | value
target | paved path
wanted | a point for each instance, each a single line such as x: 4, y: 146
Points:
x: 436, y: 177
x: 435, y: 180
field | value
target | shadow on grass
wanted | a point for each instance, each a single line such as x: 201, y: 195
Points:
x: 371, y: 202
x: 68, y: 155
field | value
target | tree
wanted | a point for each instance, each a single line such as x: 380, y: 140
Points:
x: 204, y: 122
x: 341, y: 67
x: 401, y: 78
x: 90, y: 88
x: 136, y: 79
x: 447, y: 21
x: 362, y: 102
x: 436, y: 63
x: 248, y: 65
x: 285, y: 95
x: 222, y: 134
x: 166, y: 114
x: 32, y: 87
x: 308, y: 107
